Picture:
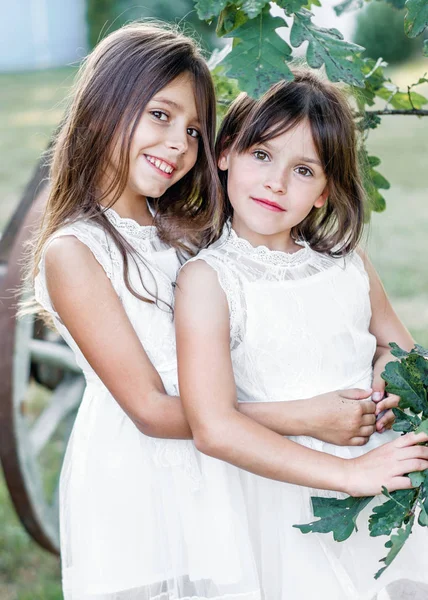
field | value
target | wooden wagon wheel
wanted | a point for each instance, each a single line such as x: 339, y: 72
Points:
x: 31, y: 356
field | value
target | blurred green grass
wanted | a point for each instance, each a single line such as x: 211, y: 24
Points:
x: 31, y: 105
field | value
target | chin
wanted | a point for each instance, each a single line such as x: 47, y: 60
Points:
x: 265, y: 226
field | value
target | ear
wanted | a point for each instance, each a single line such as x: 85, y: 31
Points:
x: 223, y: 161
x: 321, y: 200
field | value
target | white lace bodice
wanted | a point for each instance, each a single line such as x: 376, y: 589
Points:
x: 299, y: 322
x: 153, y: 324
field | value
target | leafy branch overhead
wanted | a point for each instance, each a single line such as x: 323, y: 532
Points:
x: 260, y: 56
x: 408, y: 378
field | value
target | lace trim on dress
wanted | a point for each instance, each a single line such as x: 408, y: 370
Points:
x: 131, y: 227
x: 264, y: 254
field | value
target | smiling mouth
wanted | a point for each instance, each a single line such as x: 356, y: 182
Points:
x: 164, y: 168
x: 269, y: 205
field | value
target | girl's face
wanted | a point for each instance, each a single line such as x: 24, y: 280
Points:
x: 165, y: 143
x: 273, y: 186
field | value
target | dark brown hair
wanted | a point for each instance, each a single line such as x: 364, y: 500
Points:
x: 337, y: 227
x: 114, y: 85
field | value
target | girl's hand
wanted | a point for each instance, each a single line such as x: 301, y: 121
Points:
x: 343, y: 417
x: 387, y: 466
x: 384, y: 401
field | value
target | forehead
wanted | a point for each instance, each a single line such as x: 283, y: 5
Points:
x: 179, y: 94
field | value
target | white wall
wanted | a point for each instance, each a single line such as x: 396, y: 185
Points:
x: 37, y: 34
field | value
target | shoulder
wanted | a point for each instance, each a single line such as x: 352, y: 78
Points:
x: 67, y: 250
x: 79, y: 248
x: 197, y: 274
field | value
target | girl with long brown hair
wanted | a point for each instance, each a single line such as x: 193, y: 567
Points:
x: 284, y: 306
x: 134, y: 187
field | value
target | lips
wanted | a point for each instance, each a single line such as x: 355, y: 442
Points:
x: 162, y: 166
x: 268, y: 204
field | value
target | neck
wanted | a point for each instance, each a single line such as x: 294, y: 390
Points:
x: 279, y: 241
x: 135, y: 208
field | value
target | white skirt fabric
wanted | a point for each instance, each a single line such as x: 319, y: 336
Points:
x: 150, y: 519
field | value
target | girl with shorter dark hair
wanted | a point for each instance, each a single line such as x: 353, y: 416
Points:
x: 284, y: 306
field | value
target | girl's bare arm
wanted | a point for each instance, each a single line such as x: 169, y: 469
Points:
x: 387, y: 327
x: 91, y: 310
x: 208, y: 394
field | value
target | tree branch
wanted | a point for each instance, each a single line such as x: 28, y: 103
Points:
x: 418, y: 113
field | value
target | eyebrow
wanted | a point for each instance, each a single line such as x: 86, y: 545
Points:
x: 175, y: 105
x: 307, y: 159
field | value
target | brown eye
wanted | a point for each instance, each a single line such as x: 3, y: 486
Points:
x: 194, y: 133
x: 159, y: 114
x: 304, y: 171
x: 260, y: 155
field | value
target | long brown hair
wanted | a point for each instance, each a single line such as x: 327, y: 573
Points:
x: 113, y: 87
x: 337, y: 227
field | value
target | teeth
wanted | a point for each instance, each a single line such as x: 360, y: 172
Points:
x: 160, y: 164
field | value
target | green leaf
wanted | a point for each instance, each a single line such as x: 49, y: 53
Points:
x: 395, y: 544
x: 397, y: 351
x: 404, y: 382
x: 404, y: 422
x: 370, y: 178
x: 230, y: 18
x: 207, y: 9
x: 417, y: 478
x: 391, y: 514
x: 398, y: 4
x: 418, y: 366
x: 258, y: 56
x: 346, y: 5
x: 327, y: 47
x: 420, y: 350
x: 374, y: 79
x: 416, y: 18
x: 423, y: 517
x: 369, y: 121
x: 292, y: 6
x: 423, y: 427
x: 253, y: 7
x: 425, y: 51
x: 379, y: 180
x: 374, y: 161
x: 401, y: 100
x: 336, y: 515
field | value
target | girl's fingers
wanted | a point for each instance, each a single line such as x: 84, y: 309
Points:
x: 356, y: 394
x: 386, y: 421
x: 390, y: 401
x: 410, y: 439
x: 368, y: 406
x: 368, y: 419
x: 411, y: 465
x: 400, y: 483
x: 359, y: 441
x: 367, y: 431
x: 413, y: 452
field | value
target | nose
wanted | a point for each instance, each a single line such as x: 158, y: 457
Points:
x: 178, y: 139
x: 276, y: 181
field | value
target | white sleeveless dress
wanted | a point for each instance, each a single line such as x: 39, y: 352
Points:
x: 153, y: 519
x: 137, y: 521
x: 299, y: 327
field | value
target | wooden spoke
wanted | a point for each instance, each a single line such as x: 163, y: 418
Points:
x: 53, y: 354
x: 65, y: 399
